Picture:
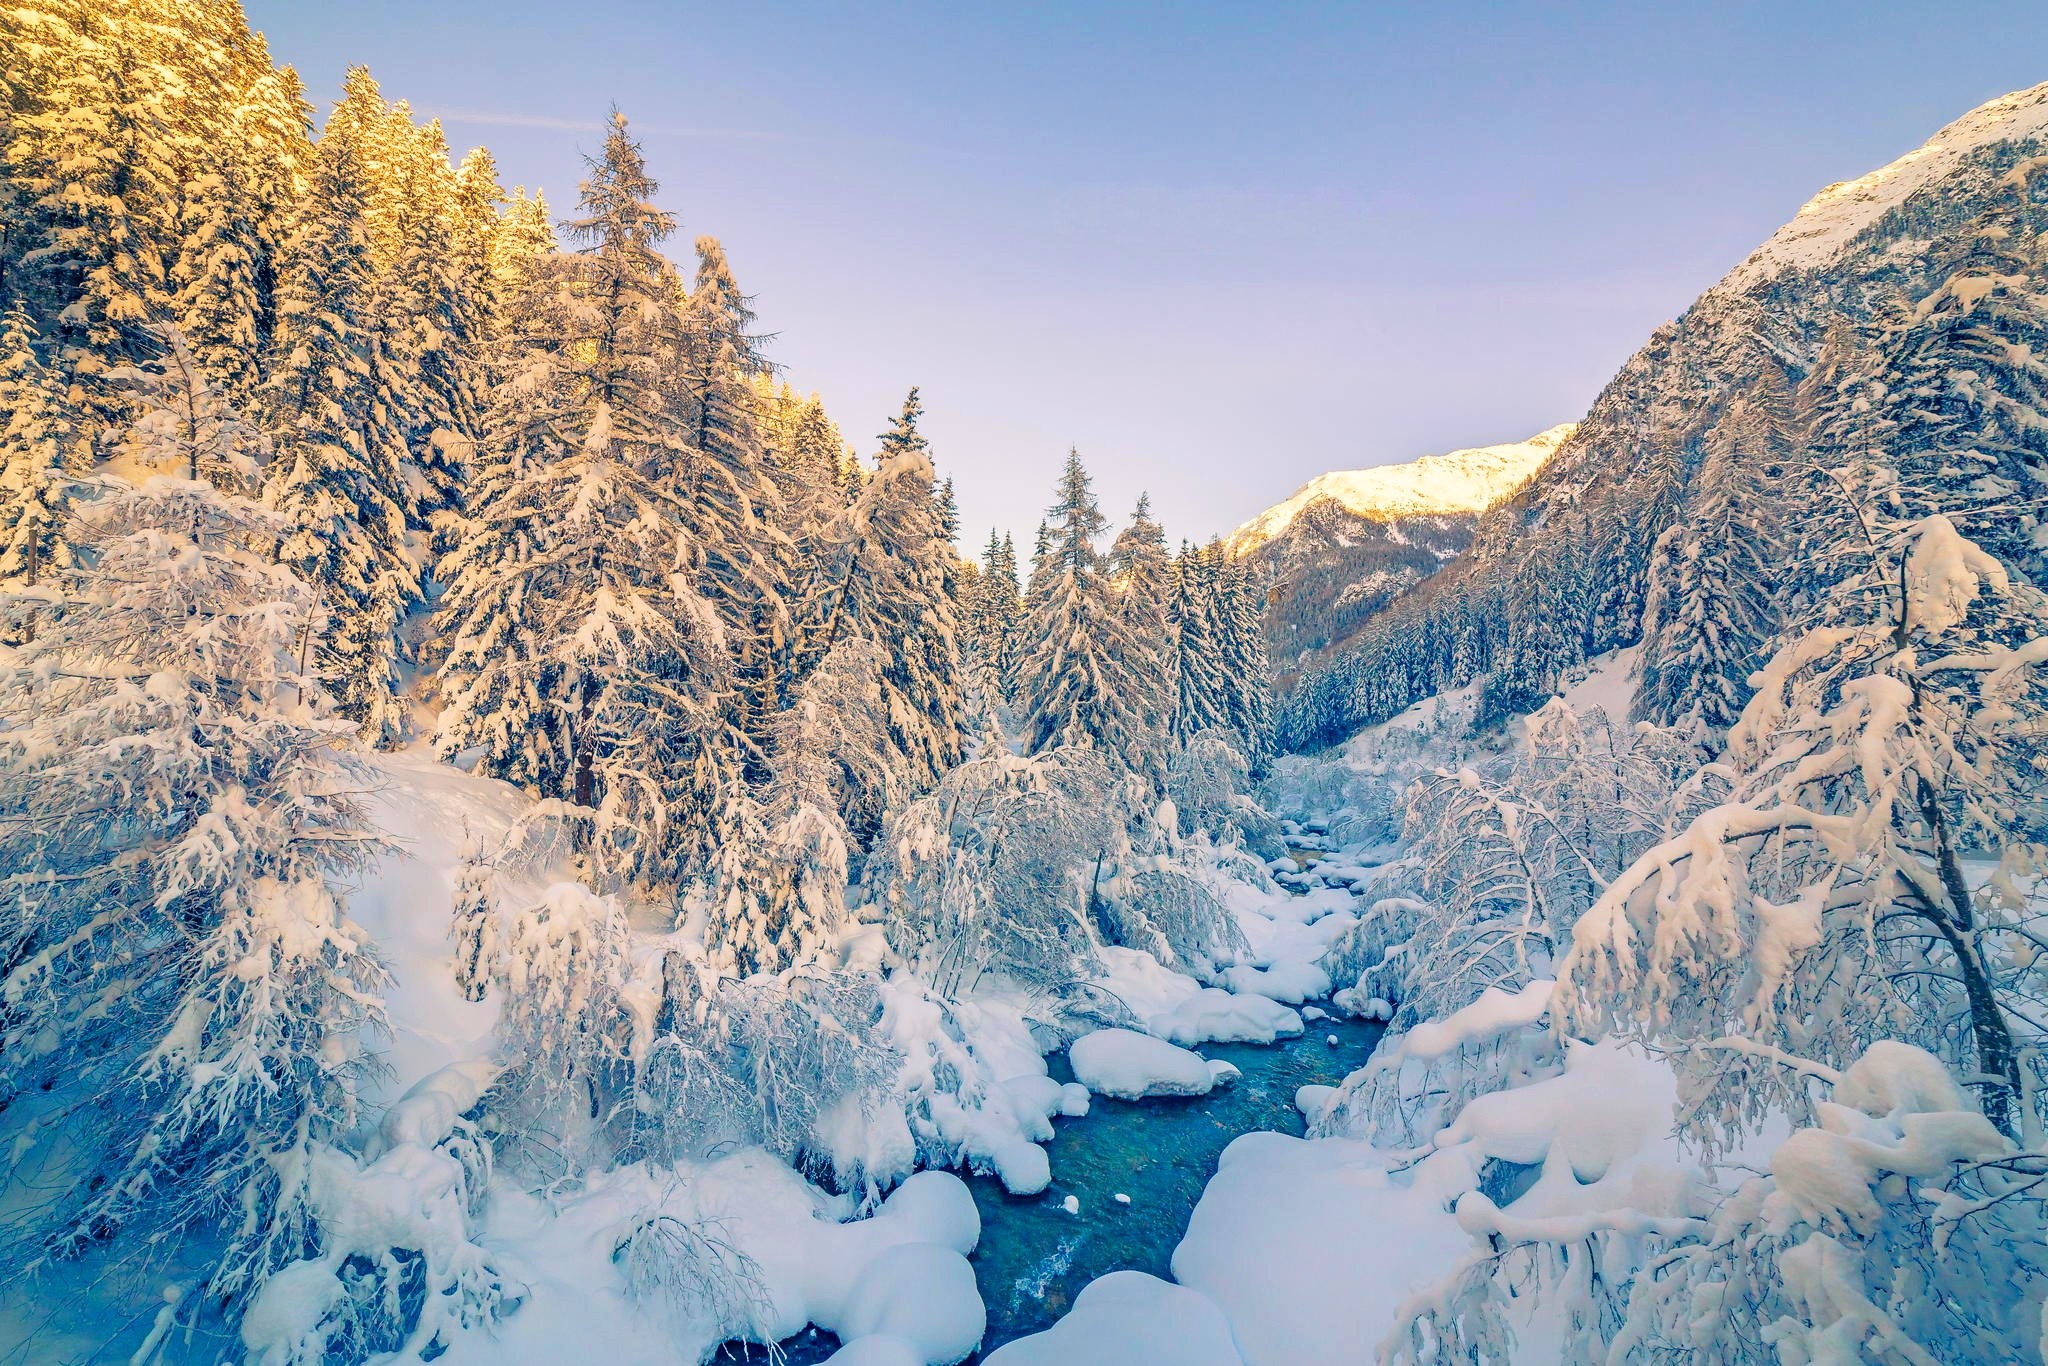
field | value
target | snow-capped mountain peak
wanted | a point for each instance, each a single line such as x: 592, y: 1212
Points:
x: 1831, y: 219
x: 1454, y: 483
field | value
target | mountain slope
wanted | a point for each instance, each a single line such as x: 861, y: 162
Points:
x: 1348, y: 542
x: 1561, y: 570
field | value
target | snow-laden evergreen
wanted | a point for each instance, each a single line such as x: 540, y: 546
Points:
x: 338, y: 479
x: 188, y: 1010
x: 1074, y: 684
x: 589, y: 665
x: 40, y: 458
x: 885, y: 576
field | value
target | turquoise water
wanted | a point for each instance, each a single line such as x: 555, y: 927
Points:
x: 1034, y: 1256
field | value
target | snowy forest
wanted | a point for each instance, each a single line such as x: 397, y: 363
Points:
x: 520, y: 840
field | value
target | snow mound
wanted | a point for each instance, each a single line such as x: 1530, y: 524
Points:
x: 1130, y: 1066
x: 1215, y: 1016
x: 1830, y: 220
x: 1291, y: 982
x: 1124, y: 1318
x: 1457, y: 482
x: 1308, y: 1246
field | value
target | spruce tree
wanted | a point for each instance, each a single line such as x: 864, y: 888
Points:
x: 585, y: 663
x: 733, y: 506
x: 195, y: 990
x: 1708, y: 613
x: 1239, y: 615
x: 885, y: 578
x: 1199, y: 687
x: 99, y: 195
x: 1072, y: 681
x: 1141, y: 572
x: 39, y: 459
x: 337, y: 477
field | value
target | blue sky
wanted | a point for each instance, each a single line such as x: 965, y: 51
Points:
x: 1218, y: 247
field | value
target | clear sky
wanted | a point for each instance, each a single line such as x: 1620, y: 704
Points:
x: 1219, y: 247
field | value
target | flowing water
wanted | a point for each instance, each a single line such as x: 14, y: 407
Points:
x: 1034, y: 1256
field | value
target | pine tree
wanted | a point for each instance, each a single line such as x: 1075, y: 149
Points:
x: 1709, y: 613
x: 216, y: 281
x: 524, y: 239
x: 434, y: 291
x: 1141, y: 572
x: 1968, y: 387
x: 885, y: 578
x: 38, y: 460
x: 1199, y: 687
x: 585, y: 662
x: 733, y: 506
x: 1070, y: 685
x: 99, y: 195
x: 337, y: 476
x: 1240, y: 631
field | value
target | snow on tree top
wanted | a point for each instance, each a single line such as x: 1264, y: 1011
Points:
x: 1457, y: 482
x: 1831, y: 219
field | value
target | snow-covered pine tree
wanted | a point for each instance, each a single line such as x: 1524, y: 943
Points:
x: 1967, y: 380
x: 435, y: 302
x: 1709, y: 608
x: 525, y: 238
x: 884, y: 576
x: 1140, y: 572
x: 94, y: 170
x: 40, y: 457
x: 1622, y: 537
x: 1240, y: 632
x: 832, y: 758
x: 197, y: 999
x: 1197, y: 668
x: 1072, y: 687
x: 584, y: 663
x: 216, y: 280
x: 733, y: 506
x: 186, y: 427
x: 337, y: 476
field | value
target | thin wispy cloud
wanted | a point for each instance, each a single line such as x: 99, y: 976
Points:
x: 485, y: 119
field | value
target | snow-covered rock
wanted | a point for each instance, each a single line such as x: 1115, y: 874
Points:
x: 1129, y: 1066
x: 1290, y: 982
x: 1216, y: 1016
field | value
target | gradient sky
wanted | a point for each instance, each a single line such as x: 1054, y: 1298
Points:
x: 1219, y: 247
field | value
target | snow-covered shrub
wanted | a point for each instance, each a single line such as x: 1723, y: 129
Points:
x: 1000, y: 868
x: 1175, y: 915
x: 395, y: 1267
x: 183, y: 993
x: 810, y: 1053
x: 565, y: 1030
x: 1209, y: 782
x: 1901, y: 1227
x: 1355, y: 803
x: 690, y: 1272
x: 1504, y: 858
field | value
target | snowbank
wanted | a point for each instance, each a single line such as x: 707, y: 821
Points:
x: 772, y: 1259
